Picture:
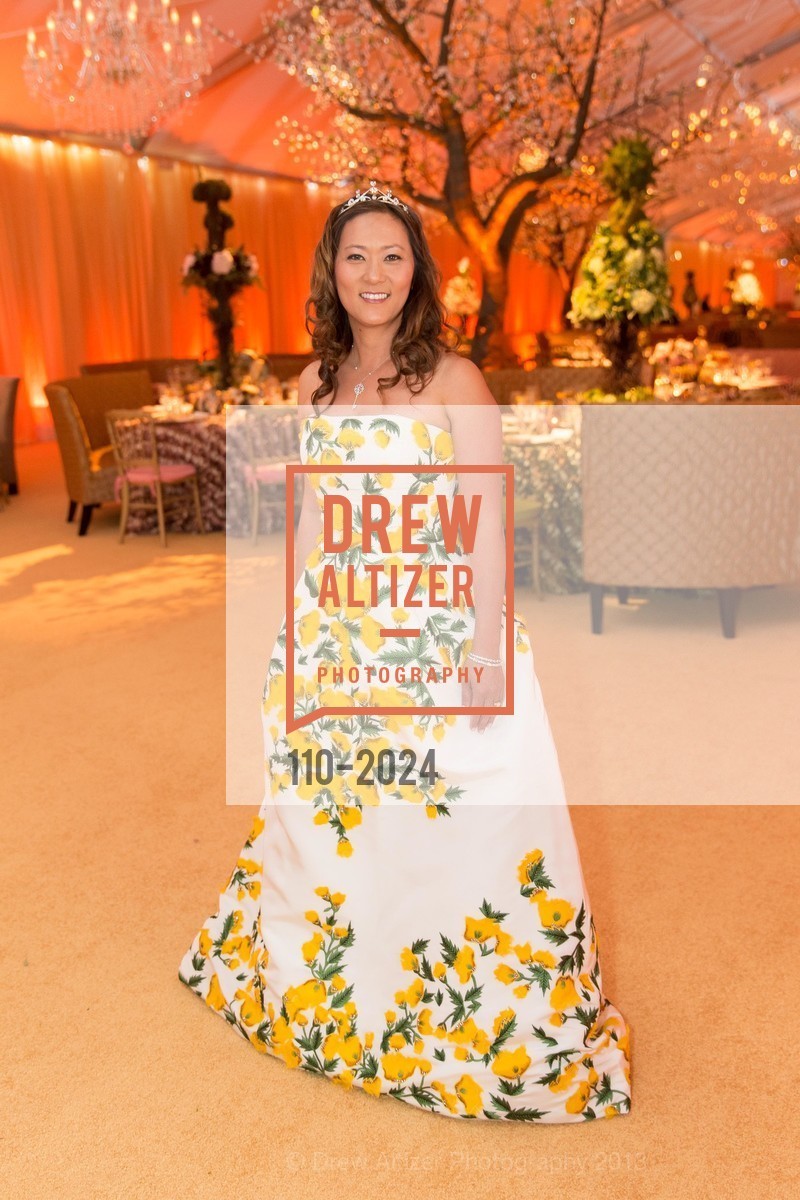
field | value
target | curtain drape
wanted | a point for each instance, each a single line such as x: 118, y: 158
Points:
x: 91, y: 245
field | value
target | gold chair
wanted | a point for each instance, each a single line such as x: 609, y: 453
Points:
x: 527, y: 515
x: 133, y: 440
x: 270, y: 442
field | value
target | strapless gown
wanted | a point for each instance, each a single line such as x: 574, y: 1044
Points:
x: 433, y: 943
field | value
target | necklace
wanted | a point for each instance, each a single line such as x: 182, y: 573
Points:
x: 359, y: 387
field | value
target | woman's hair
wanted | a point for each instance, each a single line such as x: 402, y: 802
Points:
x: 421, y: 339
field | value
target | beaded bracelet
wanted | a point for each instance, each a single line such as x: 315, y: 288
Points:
x: 486, y: 662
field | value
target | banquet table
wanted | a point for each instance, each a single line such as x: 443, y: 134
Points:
x: 214, y: 445
x: 547, y: 466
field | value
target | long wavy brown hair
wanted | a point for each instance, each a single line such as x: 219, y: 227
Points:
x: 424, y: 334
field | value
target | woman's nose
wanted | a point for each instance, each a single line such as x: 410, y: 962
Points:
x: 373, y: 270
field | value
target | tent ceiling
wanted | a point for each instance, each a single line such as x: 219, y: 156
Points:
x: 234, y: 121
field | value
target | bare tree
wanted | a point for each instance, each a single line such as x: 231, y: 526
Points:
x: 557, y: 230
x: 467, y: 113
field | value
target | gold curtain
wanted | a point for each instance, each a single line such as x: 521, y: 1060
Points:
x: 91, y: 245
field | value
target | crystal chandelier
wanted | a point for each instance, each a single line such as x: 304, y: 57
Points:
x: 116, y: 69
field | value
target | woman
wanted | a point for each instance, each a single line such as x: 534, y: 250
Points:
x: 422, y: 933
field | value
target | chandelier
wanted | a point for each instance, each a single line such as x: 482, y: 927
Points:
x: 116, y: 69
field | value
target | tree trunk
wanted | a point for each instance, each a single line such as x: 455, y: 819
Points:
x: 489, y: 347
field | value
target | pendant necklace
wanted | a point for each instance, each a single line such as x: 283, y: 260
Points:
x: 359, y: 387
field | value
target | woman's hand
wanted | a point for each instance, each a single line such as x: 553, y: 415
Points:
x: 490, y: 689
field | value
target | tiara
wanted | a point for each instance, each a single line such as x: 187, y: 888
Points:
x: 374, y: 193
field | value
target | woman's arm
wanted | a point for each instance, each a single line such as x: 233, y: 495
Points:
x: 478, y: 438
x: 477, y: 432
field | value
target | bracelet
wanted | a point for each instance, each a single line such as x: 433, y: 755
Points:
x: 486, y: 662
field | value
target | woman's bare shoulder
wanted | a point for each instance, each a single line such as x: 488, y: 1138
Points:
x: 462, y: 381
x: 308, y: 380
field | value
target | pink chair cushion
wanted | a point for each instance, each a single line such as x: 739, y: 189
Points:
x: 168, y: 472
x: 266, y: 472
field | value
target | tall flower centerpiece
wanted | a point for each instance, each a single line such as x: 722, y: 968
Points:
x: 221, y: 273
x: 624, y: 284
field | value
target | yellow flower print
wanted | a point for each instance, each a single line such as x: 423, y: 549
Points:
x: 522, y: 990
x: 412, y: 995
x: 555, y: 913
x: 349, y: 438
x: 449, y: 1099
x: 470, y: 1094
x: 330, y: 456
x: 385, y: 479
x: 205, y: 943
x: 504, y: 942
x: 322, y: 891
x: 381, y: 437
x: 564, y: 994
x: 344, y: 1078
x: 545, y: 958
x: 443, y: 445
x: 350, y: 816
x: 373, y: 1086
x: 506, y: 974
x: 421, y: 435
x: 321, y: 427
x: 502, y: 1020
x: 439, y: 970
x: 464, y: 964
x: 290, y: 1054
x: 528, y: 861
x: 311, y: 947
x: 399, y: 616
x: 370, y: 633
x: 321, y: 817
x: 307, y: 995
x: 335, y: 698
x: 480, y: 930
x: 250, y: 1012
x: 510, y: 1064
x: 565, y: 1079
x: 308, y: 627
x: 408, y: 961
x: 344, y: 848
x: 579, y: 1099
x: 215, y: 998
x: 398, y: 1067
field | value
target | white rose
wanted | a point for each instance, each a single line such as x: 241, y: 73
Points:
x: 222, y: 262
x: 657, y: 254
x: 252, y: 264
x: 188, y: 263
x: 595, y: 265
x: 619, y: 243
x: 642, y: 301
x: 463, y: 265
x: 634, y: 259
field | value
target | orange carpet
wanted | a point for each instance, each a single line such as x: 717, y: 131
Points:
x: 681, y: 760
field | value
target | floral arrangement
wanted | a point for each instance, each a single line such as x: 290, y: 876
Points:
x: 461, y: 295
x: 635, y: 395
x: 207, y: 269
x: 624, y: 277
x: 675, y: 352
x: 746, y: 290
x: 221, y: 273
x: 624, y: 283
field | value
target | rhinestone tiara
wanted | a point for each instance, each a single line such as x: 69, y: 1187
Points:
x: 374, y: 193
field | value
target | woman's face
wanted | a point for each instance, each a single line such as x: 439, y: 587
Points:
x: 374, y: 268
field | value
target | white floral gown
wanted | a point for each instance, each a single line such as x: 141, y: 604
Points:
x: 433, y: 942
